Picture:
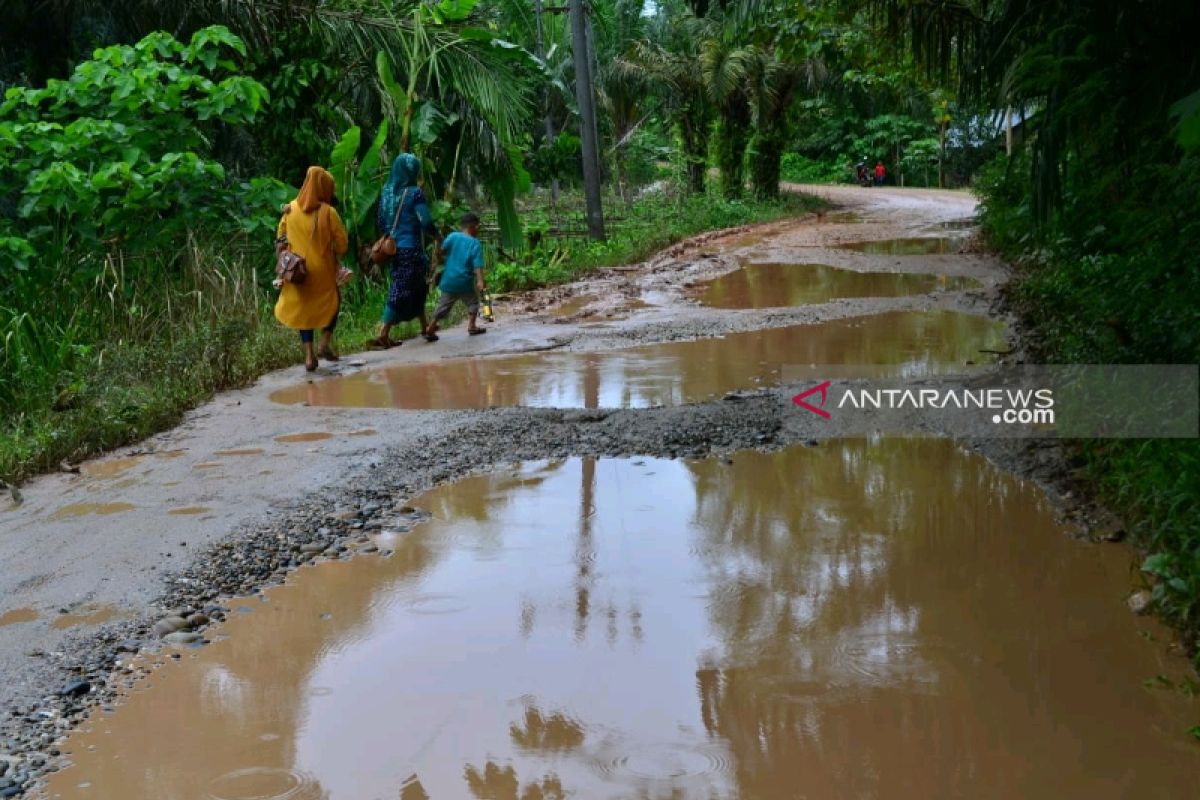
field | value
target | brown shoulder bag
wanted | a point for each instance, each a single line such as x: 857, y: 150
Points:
x: 290, y: 267
x: 385, y: 246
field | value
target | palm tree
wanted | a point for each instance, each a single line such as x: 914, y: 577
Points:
x: 727, y: 68
x: 773, y: 84
x: 673, y: 63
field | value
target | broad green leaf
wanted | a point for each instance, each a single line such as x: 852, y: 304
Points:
x: 387, y: 78
x: 456, y: 10
x: 1187, y: 111
x: 345, y: 151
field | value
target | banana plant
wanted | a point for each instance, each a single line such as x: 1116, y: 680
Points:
x: 359, y: 181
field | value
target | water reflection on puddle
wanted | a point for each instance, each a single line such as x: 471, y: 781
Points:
x: 771, y: 285
x: 887, y: 618
x: 898, y: 343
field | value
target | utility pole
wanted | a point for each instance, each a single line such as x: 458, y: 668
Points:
x: 586, y: 98
x: 549, y: 123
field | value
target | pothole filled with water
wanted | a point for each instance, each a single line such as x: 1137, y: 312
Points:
x: 909, y: 343
x: 777, y: 285
x: 870, y: 618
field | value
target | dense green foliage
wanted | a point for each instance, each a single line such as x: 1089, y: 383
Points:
x: 123, y: 142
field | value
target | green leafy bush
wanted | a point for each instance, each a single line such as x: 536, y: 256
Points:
x: 796, y: 168
x: 119, y: 152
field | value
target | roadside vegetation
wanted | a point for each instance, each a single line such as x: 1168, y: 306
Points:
x: 1099, y: 209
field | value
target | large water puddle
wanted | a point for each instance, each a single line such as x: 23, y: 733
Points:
x: 864, y: 619
x: 772, y: 285
x: 897, y: 343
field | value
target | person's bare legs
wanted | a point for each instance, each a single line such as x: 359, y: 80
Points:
x: 325, y: 349
x: 310, y: 358
x: 472, y: 317
x: 383, y: 339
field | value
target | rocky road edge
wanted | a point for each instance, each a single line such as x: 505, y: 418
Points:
x: 94, y: 670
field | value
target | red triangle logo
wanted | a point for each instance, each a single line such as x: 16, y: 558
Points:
x: 823, y: 388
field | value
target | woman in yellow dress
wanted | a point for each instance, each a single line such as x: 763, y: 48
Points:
x: 311, y: 228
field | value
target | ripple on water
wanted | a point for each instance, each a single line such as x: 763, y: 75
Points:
x: 667, y: 762
x: 264, y: 783
x: 434, y: 603
x: 883, y: 659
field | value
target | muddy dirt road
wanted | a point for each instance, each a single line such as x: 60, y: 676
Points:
x: 852, y: 655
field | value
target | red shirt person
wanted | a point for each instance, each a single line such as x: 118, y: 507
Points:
x: 880, y: 173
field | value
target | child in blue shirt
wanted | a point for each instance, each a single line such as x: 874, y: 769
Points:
x: 462, y: 276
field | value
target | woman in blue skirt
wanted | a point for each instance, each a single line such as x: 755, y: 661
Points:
x: 404, y: 214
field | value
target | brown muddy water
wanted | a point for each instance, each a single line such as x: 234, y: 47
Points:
x: 314, y: 436
x: 18, y: 616
x: 916, y: 246
x: 890, y: 618
x: 88, y: 509
x: 573, y: 305
x: 895, y: 343
x: 110, y: 468
x: 771, y: 285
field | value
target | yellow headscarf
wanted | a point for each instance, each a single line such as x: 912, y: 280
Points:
x: 315, y: 195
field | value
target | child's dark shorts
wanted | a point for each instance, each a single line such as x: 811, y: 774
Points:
x: 446, y: 301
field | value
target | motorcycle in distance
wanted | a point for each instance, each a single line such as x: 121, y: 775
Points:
x: 862, y: 174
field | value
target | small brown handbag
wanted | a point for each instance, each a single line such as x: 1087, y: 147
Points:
x: 290, y: 267
x: 385, y: 246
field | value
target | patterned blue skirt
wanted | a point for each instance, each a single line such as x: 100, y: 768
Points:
x: 410, y: 286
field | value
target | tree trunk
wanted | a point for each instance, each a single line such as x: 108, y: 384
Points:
x: 695, y: 152
x: 733, y: 136
x: 766, y: 157
x: 586, y: 99
x: 942, y: 155
x: 549, y: 123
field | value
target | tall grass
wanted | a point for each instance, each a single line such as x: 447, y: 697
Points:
x: 92, y: 364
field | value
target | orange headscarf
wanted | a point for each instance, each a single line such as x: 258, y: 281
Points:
x: 317, y: 192
x: 317, y: 189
